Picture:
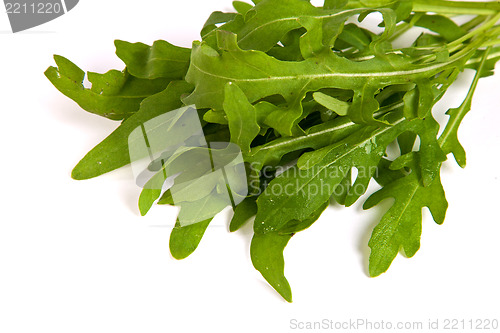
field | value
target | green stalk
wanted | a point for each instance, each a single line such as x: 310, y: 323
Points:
x: 404, y: 27
x: 494, y: 53
x: 457, y: 7
x: 476, y: 21
x: 456, y: 119
x: 443, y: 7
x: 487, y: 25
x: 493, y: 42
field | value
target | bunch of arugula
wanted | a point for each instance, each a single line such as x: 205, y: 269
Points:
x: 312, y: 89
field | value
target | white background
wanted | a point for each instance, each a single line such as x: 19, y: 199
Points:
x: 76, y: 256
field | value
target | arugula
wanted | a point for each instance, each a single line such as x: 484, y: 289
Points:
x: 311, y: 97
x: 115, y: 95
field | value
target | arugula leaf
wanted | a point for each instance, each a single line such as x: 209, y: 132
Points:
x: 115, y: 95
x: 242, y: 117
x: 305, y: 97
x: 316, y: 137
x: 214, y: 19
x: 401, y: 226
x: 243, y: 212
x: 294, y: 226
x: 300, y: 190
x: 442, y: 25
x: 491, y: 60
x: 449, y: 137
x: 335, y: 4
x: 242, y: 7
x: 161, y: 60
x: 260, y: 75
x: 337, y: 106
x: 113, y: 153
x: 185, y: 239
x: 266, y: 252
x: 270, y: 20
x: 355, y: 36
x: 188, y: 163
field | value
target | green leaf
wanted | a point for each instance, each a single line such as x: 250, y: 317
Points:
x: 191, y: 163
x: 185, y: 239
x: 295, y: 226
x: 419, y: 100
x: 266, y: 252
x: 147, y: 198
x: 242, y: 7
x: 449, y: 138
x: 310, y: 99
x: 112, y: 153
x: 406, y: 141
x: 260, y: 75
x: 243, y: 212
x: 401, y: 225
x: 216, y: 18
x: 115, y: 95
x: 216, y: 117
x: 355, y: 36
x: 335, y: 4
x: 290, y: 48
x: 317, y: 137
x: 403, y: 9
x: 311, y: 43
x: 442, y: 25
x: 161, y: 60
x: 200, y: 193
x: 341, y: 191
x: 489, y: 65
x: 300, y: 190
x: 196, y: 211
x: 206, y: 179
x: 271, y: 20
x: 166, y: 199
x: 430, y: 153
x: 385, y: 174
x: 337, y: 106
x: 241, y: 116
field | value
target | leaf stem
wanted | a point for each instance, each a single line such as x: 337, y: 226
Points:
x: 495, y: 53
x: 454, y: 122
x: 445, y: 7
x: 404, y: 27
x: 469, y: 25
x: 457, y: 7
x: 493, y: 42
x: 487, y: 25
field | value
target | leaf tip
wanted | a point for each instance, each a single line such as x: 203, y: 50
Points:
x: 58, y: 58
x: 144, y: 204
x: 142, y: 211
x: 287, y: 297
x: 118, y: 42
x: 178, y: 255
x: 77, y: 174
x: 374, y: 271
